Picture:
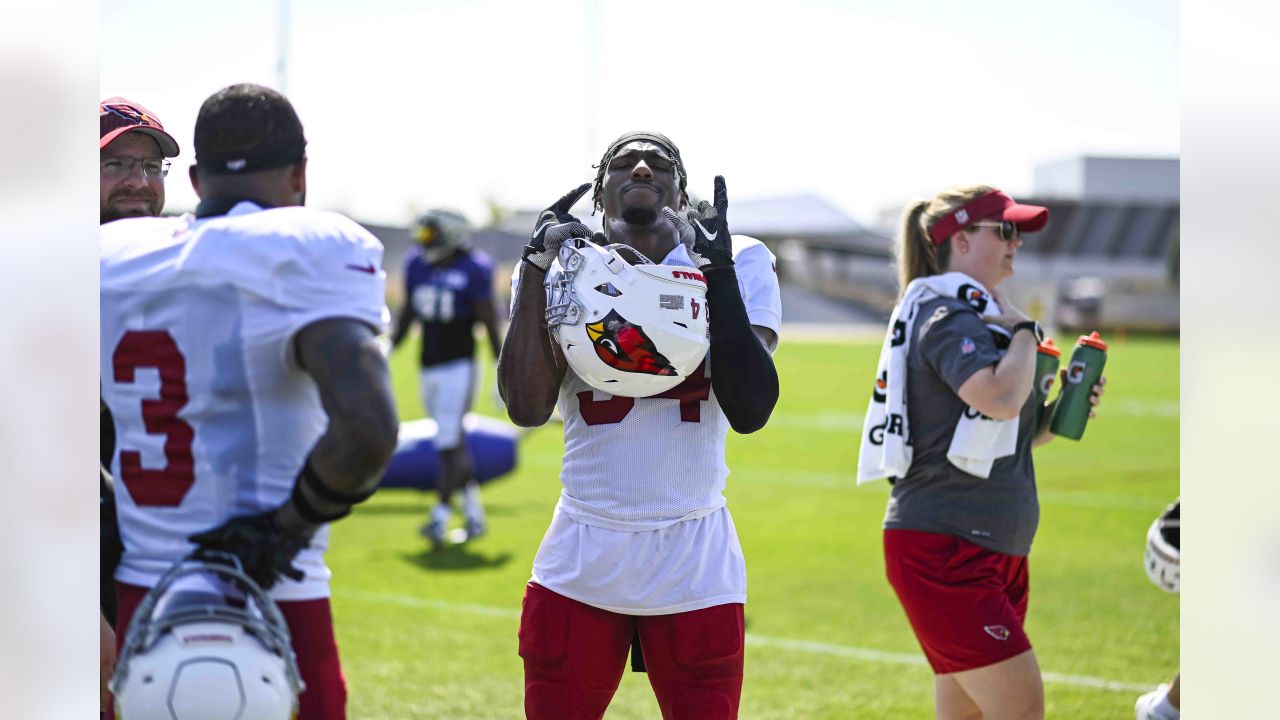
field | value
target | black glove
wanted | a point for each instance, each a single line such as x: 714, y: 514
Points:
x: 266, y: 551
x: 706, y: 232
x: 554, y: 226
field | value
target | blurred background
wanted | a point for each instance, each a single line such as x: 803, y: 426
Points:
x: 825, y: 117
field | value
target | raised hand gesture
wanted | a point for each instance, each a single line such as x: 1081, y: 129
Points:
x: 706, y: 231
x: 554, y: 226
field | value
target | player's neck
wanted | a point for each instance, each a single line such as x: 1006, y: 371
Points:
x: 654, y: 240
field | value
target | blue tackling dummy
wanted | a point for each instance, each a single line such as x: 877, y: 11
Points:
x: 492, y: 444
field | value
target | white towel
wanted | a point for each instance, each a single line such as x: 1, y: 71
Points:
x: 886, y: 432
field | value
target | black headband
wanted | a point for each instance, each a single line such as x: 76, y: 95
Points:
x: 656, y: 139
x: 238, y: 162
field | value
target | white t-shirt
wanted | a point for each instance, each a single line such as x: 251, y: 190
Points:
x: 641, y: 527
x: 213, y: 416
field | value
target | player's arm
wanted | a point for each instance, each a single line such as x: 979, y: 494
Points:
x: 354, y: 382
x: 487, y: 313
x: 742, y: 372
x: 1000, y: 390
x: 405, y: 319
x: 344, y: 467
x: 530, y: 367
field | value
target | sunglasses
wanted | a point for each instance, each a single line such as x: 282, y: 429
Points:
x: 1008, y: 230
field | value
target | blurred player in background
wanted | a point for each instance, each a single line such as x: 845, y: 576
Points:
x: 449, y: 289
x: 642, y: 546
x: 239, y: 359
x: 1163, y: 563
x: 133, y: 152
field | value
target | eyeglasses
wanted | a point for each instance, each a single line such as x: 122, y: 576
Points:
x: 1007, y: 230
x: 123, y: 167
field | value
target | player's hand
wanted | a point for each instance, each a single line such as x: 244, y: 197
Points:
x: 706, y: 232
x: 265, y: 549
x: 554, y: 226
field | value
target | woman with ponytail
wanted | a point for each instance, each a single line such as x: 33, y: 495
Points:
x: 951, y: 424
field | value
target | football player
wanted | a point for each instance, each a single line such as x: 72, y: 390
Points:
x: 239, y: 359
x: 641, y: 547
x: 133, y: 148
x: 449, y: 289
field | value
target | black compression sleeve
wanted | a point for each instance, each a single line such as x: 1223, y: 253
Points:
x: 742, y: 371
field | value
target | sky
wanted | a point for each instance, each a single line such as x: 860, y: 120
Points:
x: 410, y: 105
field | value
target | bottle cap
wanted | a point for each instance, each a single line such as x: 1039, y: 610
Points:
x: 1093, y: 340
x: 1048, y: 348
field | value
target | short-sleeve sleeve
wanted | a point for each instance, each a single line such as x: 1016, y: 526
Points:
x: 758, y: 283
x: 956, y: 344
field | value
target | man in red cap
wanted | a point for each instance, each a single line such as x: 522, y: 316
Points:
x: 132, y: 147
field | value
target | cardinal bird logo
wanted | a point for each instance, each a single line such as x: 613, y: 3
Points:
x: 624, y: 346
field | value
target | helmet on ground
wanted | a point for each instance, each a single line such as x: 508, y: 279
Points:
x: 207, y: 643
x: 1163, y: 554
x: 440, y: 232
x: 631, y: 330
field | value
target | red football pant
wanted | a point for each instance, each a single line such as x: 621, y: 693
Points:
x: 574, y: 656
x: 311, y: 628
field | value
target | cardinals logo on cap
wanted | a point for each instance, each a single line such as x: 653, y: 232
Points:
x: 624, y: 346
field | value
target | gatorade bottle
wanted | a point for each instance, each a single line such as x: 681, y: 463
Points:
x: 1046, y: 369
x: 1086, y: 365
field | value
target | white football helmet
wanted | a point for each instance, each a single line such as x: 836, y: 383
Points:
x: 1163, y: 556
x: 632, y: 330
x: 207, y: 643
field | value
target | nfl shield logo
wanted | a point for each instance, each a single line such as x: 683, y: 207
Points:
x: 968, y: 346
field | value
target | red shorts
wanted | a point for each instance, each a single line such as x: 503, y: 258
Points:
x: 574, y: 655
x: 965, y: 603
x: 311, y: 628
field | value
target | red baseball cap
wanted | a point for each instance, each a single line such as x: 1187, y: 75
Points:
x: 995, y: 204
x: 117, y: 116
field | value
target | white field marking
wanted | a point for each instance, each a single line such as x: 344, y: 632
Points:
x: 817, y: 648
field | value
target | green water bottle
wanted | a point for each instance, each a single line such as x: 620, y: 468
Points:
x: 1046, y: 370
x: 1083, y: 372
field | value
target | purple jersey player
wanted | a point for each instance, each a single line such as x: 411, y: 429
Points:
x: 448, y: 289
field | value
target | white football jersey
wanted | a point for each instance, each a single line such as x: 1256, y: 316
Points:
x: 213, y: 416
x: 646, y: 476
x: 644, y: 463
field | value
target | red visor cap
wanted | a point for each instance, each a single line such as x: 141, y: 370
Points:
x: 117, y: 116
x: 994, y: 205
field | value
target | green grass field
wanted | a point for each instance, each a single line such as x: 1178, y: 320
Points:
x: 428, y: 635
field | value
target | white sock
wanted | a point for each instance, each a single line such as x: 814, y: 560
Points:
x: 442, y: 513
x: 471, y: 501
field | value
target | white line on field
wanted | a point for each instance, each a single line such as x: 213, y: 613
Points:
x: 817, y: 648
